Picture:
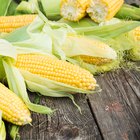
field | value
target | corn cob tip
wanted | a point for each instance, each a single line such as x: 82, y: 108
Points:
x: 73, y: 10
x: 12, y: 107
x: 102, y: 10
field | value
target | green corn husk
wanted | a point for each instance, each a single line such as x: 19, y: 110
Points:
x: 4, y: 5
x: 108, y: 31
x: 2, y: 128
x: 13, y: 131
x: 88, y: 27
x: 51, y: 8
x: 28, y: 7
x: 85, y: 22
x: 129, y: 12
x: 12, y: 8
x: 7, y: 7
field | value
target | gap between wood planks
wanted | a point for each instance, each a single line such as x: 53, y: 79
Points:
x: 116, y: 109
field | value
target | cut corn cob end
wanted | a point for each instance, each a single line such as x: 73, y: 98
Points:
x: 103, y: 10
x: 95, y: 60
x: 73, y: 10
x: 10, y: 23
x: 12, y: 107
x: 57, y: 70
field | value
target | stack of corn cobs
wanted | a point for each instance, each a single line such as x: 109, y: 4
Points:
x: 55, y: 49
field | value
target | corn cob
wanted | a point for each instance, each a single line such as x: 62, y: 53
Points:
x: 57, y: 70
x: 12, y: 107
x: 10, y: 23
x: 94, y: 60
x: 73, y: 10
x: 102, y: 10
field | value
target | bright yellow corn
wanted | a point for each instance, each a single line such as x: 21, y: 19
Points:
x: 102, y: 10
x: 74, y: 10
x: 12, y: 107
x: 57, y: 70
x: 94, y: 60
x: 10, y: 23
x: 137, y: 33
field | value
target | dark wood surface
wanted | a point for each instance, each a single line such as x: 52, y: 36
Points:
x: 137, y: 2
x: 113, y: 114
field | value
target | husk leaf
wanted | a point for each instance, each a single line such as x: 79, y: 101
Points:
x: 2, y: 128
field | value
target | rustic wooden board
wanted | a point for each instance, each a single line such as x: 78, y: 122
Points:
x: 137, y: 2
x: 66, y: 124
x: 117, y: 107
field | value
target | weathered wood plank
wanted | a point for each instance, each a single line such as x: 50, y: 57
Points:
x: 66, y: 124
x: 117, y: 107
x: 133, y: 2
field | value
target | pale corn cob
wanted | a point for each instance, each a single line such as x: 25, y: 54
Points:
x: 74, y: 10
x: 10, y: 23
x: 12, y: 107
x: 57, y: 70
x: 94, y: 60
x: 103, y: 10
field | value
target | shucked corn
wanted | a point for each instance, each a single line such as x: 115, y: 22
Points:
x: 74, y: 10
x: 10, y: 23
x: 12, y: 107
x: 102, y: 10
x: 57, y: 70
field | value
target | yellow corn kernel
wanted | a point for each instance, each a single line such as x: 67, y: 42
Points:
x: 57, y: 70
x: 137, y: 33
x: 103, y: 10
x: 10, y: 23
x: 74, y: 10
x: 94, y: 60
x: 12, y: 107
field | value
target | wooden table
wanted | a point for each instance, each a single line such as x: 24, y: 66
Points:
x: 113, y: 114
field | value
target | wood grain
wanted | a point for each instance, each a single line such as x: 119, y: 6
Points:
x: 66, y: 124
x: 117, y: 107
x: 137, y: 2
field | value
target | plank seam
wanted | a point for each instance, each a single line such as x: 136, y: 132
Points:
x: 92, y: 112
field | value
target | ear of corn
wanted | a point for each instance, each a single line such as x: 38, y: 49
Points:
x: 74, y: 10
x: 10, y: 23
x: 12, y: 107
x: 102, y: 10
x: 57, y: 70
x: 89, y: 50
